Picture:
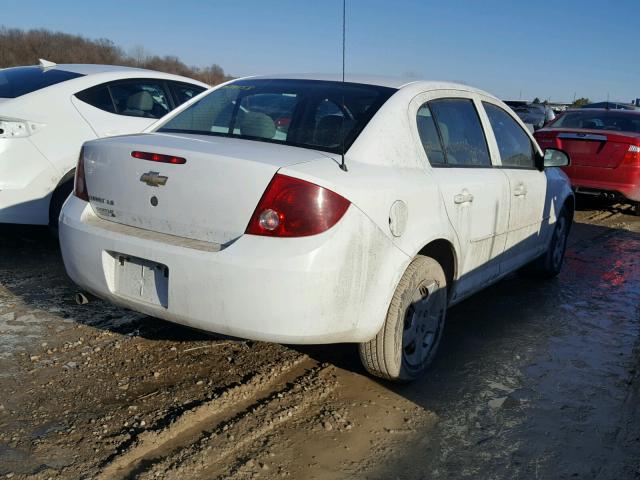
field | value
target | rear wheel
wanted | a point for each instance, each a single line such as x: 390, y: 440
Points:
x: 57, y: 200
x: 549, y: 264
x: 407, y: 343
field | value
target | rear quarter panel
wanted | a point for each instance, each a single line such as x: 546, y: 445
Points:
x: 385, y: 166
x: 60, y: 131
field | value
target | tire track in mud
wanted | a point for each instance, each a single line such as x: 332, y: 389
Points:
x: 209, y: 457
x: 167, y: 447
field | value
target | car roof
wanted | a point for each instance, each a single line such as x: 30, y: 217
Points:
x: 92, y: 69
x: 115, y: 72
x: 378, y: 80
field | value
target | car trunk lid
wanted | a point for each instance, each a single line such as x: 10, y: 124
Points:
x: 589, y: 148
x: 209, y: 197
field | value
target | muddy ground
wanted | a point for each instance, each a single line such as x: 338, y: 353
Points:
x: 535, y: 379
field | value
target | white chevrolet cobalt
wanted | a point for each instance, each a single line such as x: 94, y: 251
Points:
x: 308, y: 210
x: 48, y: 111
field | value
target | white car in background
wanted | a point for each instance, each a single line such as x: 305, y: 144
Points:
x: 48, y: 111
x: 307, y: 210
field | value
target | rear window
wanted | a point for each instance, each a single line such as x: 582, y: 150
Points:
x: 306, y: 113
x: 615, y: 120
x: 18, y: 81
x: 146, y: 99
x: 183, y: 92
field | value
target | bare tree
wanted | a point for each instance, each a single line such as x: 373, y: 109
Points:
x: 212, y: 74
x: 20, y: 47
x: 139, y: 55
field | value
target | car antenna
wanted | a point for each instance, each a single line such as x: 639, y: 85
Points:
x: 343, y: 165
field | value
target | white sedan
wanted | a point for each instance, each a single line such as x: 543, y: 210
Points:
x: 308, y: 210
x: 48, y: 111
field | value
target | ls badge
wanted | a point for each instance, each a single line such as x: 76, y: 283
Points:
x: 154, y: 179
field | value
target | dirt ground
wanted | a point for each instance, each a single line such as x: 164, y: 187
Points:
x: 535, y: 379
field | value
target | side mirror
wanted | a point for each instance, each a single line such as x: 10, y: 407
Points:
x: 555, y: 158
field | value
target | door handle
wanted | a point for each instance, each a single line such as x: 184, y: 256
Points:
x: 520, y: 191
x: 464, y: 197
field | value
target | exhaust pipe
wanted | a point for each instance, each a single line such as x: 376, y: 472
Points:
x: 83, y: 298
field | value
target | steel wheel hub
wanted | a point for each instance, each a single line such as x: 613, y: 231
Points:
x: 422, y: 324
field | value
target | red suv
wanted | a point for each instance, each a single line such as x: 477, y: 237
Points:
x: 604, y: 147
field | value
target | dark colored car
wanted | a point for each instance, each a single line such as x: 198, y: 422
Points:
x: 535, y: 114
x: 516, y: 103
x: 604, y: 147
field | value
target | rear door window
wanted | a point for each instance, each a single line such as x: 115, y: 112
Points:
x: 429, y: 136
x: 183, y: 92
x: 460, y: 131
x: 140, y: 99
x: 516, y: 149
x: 133, y: 98
x: 18, y: 81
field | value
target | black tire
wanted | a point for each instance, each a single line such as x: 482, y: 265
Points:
x: 407, y: 342
x: 549, y: 264
x: 636, y: 209
x: 57, y: 200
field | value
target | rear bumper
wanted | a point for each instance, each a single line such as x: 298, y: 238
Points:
x: 327, y: 288
x: 27, y: 180
x: 622, y: 180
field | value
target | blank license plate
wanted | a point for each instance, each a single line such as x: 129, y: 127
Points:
x: 142, y: 279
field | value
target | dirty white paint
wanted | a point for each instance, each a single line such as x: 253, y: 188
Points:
x: 332, y: 287
x: 63, y: 124
x: 398, y: 216
x: 327, y: 288
x: 210, y: 198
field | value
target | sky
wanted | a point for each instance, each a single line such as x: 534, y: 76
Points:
x: 514, y: 49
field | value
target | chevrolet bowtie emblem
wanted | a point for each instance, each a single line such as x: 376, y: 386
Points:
x: 154, y: 179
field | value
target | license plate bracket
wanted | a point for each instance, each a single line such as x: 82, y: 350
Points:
x: 141, y: 279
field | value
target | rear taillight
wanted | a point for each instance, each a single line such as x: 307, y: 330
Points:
x: 14, y: 128
x: 291, y: 207
x: 80, y: 184
x: 544, y: 139
x: 632, y: 156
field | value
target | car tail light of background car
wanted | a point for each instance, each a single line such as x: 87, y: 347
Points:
x: 632, y: 157
x: 13, y: 128
x: 291, y: 207
x: 80, y: 184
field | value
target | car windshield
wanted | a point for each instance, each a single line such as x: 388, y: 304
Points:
x: 18, y: 81
x: 616, y: 120
x: 314, y: 114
